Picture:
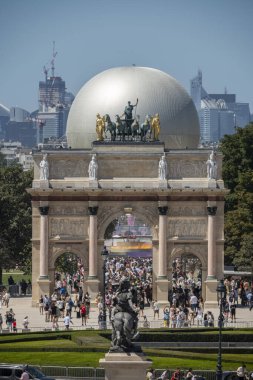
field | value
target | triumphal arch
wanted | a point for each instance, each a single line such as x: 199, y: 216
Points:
x: 141, y: 156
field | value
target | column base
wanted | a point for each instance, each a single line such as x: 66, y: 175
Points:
x: 162, y: 286
x: 92, y: 285
x: 211, y: 294
x: 125, y: 366
x: 44, y: 285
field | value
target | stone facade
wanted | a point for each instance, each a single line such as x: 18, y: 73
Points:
x: 71, y: 212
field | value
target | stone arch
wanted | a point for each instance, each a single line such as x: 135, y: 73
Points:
x: 148, y: 215
x: 57, y: 252
x: 186, y: 250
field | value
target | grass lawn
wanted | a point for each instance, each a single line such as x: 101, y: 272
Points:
x: 17, y: 276
x: 91, y: 359
x: 55, y: 349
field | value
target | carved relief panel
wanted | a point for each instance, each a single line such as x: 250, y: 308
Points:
x: 68, y: 168
x: 195, y: 228
x: 68, y: 227
x: 178, y: 169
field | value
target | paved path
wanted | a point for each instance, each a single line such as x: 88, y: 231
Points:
x: 22, y: 307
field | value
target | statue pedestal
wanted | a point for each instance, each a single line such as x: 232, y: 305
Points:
x: 162, y: 183
x: 125, y: 366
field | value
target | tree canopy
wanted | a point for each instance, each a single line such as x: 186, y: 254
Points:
x: 237, y: 152
x: 15, y: 218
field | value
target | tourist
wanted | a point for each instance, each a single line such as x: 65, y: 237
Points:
x: 166, y: 317
x: 9, y: 316
x: 156, y: 309
x: 26, y: 323
x: 83, y: 313
x: 199, y: 316
x: 6, y: 298
x: 41, y: 305
x: 242, y: 372
x: 14, y: 325
x: 164, y: 375
x: 189, y: 374
x: 150, y: 374
x: 233, y: 312
x: 67, y: 320
x: 176, y: 375
x: 87, y: 299
x: 25, y: 375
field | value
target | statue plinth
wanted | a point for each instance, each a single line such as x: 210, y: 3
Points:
x: 125, y: 366
x: 41, y: 184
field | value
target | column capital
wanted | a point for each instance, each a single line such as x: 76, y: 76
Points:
x: 44, y: 210
x: 211, y: 210
x: 93, y: 210
x: 163, y: 210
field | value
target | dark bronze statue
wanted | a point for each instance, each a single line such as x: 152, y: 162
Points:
x: 124, y: 319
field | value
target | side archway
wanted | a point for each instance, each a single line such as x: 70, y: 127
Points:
x: 81, y: 255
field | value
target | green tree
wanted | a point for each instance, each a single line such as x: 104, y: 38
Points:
x: 15, y: 218
x: 237, y: 152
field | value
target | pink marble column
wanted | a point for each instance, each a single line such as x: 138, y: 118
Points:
x: 162, y: 257
x: 44, y: 242
x: 211, y: 266
x: 93, y: 259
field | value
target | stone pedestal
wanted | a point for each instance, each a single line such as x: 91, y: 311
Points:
x: 92, y: 287
x: 162, y: 290
x: 125, y: 366
x: 44, y: 286
x: 211, y: 294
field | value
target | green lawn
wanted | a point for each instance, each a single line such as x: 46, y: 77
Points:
x: 17, y: 276
x: 86, y: 348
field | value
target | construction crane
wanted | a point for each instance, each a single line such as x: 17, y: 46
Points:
x: 52, y: 61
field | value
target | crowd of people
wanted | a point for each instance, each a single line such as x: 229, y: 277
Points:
x: 185, y: 306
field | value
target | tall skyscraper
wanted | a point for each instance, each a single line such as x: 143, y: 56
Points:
x: 219, y: 114
x: 54, y: 105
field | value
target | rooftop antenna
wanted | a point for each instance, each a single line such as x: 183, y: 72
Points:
x: 52, y: 61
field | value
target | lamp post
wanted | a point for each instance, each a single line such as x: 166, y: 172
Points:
x: 104, y: 255
x: 221, y: 293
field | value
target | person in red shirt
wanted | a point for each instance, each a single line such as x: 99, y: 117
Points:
x: 83, y: 314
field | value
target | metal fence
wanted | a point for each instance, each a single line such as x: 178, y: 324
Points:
x: 16, y: 291
x: 89, y: 373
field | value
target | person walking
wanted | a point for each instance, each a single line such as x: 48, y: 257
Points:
x: 83, y: 313
x: 156, y: 309
x: 242, y: 372
x: 67, y: 320
x: 26, y: 323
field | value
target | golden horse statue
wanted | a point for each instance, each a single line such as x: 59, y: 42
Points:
x: 155, y: 126
x: 100, y: 127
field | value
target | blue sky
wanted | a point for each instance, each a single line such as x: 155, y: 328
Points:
x: 176, y: 36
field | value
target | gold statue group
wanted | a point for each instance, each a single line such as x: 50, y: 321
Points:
x: 128, y: 127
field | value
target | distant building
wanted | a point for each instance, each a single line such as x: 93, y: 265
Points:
x: 4, y: 119
x: 219, y: 114
x: 10, y: 149
x: 54, y: 105
x: 25, y: 158
x: 20, y: 128
x: 15, y: 154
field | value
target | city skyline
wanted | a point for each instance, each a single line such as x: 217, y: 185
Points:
x: 178, y: 37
